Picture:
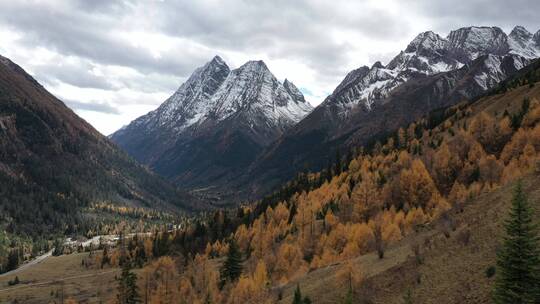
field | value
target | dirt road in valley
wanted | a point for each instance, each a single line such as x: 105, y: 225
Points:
x: 57, y: 281
x: 31, y: 263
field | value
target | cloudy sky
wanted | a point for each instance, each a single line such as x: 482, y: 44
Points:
x: 112, y: 61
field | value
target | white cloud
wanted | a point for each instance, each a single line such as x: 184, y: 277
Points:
x: 115, y: 60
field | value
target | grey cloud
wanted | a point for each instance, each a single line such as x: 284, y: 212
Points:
x: 447, y: 15
x: 152, y: 83
x: 241, y: 22
x: 295, y: 30
x: 87, y: 35
x: 93, y: 106
x: 299, y: 30
x: 101, y: 6
x: 79, y: 74
x: 282, y: 29
x: 74, y: 74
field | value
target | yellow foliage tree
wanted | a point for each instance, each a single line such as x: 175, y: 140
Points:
x: 414, y: 218
x: 289, y: 261
x: 490, y: 169
x: 417, y: 187
x: 260, y: 277
x: 366, y: 198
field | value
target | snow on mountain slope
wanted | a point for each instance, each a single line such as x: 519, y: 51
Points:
x: 522, y: 42
x: 429, y: 54
x: 214, y: 93
x: 293, y: 91
x: 215, y: 124
x: 253, y: 89
x: 468, y: 43
x: 493, y: 72
x: 189, y: 103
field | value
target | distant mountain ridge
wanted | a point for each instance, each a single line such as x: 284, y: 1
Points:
x: 431, y: 72
x: 428, y: 54
x: 215, y: 124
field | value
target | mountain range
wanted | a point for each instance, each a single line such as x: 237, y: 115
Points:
x: 212, y: 128
x: 243, y: 132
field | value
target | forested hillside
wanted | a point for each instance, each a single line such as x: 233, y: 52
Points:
x: 422, y: 177
x: 56, y: 171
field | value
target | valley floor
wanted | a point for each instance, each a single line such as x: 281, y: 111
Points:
x: 44, y: 282
x: 29, y: 264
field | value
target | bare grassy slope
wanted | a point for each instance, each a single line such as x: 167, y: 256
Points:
x: 453, y: 268
x: 42, y: 282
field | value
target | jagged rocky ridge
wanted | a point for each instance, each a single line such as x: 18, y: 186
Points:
x: 215, y: 124
x: 432, y: 72
x: 429, y: 54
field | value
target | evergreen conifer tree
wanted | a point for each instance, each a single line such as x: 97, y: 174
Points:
x: 232, y: 267
x: 407, y: 299
x: 128, y: 292
x: 297, y: 299
x: 348, y: 297
x: 518, y: 261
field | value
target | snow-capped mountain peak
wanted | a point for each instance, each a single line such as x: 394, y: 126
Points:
x: 352, y: 77
x: 536, y: 39
x: 215, y: 123
x: 426, y: 41
x: 470, y: 42
x: 520, y: 33
x: 253, y: 88
x: 293, y: 91
x: 521, y: 42
x: 190, y: 101
x: 218, y: 60
x: 214, y: 93
x: 427, y: 54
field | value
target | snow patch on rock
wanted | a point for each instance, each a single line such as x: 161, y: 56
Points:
x: 214, y: 93
x: 427, y: 54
